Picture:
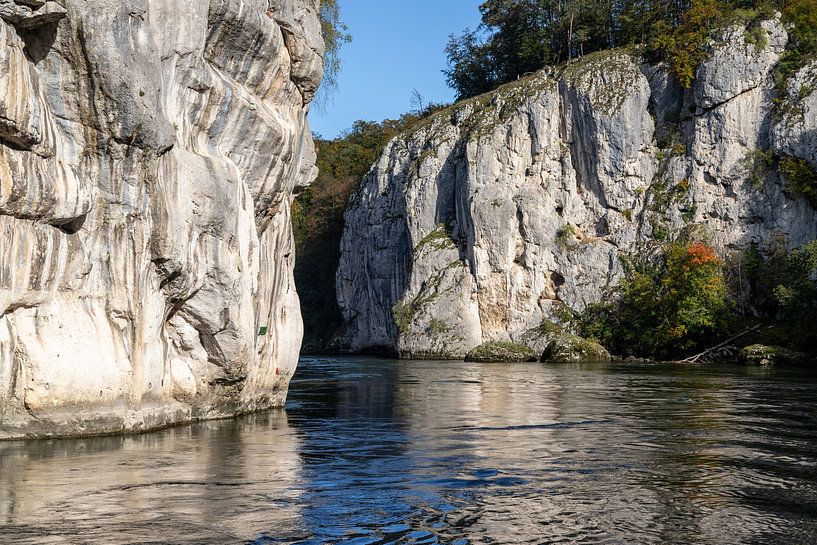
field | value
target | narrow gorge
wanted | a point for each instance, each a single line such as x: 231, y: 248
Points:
x: 149, y: 151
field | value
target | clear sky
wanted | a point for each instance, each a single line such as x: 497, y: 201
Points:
x: 397, y: 46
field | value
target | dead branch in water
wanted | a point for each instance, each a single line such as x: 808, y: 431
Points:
x: 696, y: 357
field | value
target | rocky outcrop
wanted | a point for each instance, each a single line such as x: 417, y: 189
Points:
x: 494, y: 215
x: 502, y: 352
x: 146, y: 173
x: 758, y: 354
x: 567, y: 348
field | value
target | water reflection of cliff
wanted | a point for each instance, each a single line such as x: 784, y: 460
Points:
x: 485, y: 435
x: 217, y: 482
x: 409, y: 452
x: 586, y: 454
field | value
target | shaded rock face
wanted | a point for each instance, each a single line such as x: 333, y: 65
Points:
x: 495, y: 214
x: 148, y: 154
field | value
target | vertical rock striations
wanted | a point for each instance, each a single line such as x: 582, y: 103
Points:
x: 148, y: 154
x: 492, y: 215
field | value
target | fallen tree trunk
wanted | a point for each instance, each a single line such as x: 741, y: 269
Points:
x: 696, y: 357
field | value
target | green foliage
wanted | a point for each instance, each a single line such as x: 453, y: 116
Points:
x: 796, y: 294
x: 403, y: 314
x: 772, y: 284
x: 668, y: 303
x: 596, y: 323
x: 801, y: 16
x: 758, y: 162
x: 440, y: 238
x: 801, y: 175
x: 546, y: 327
x: 470, y: 70
x: 566, y: 236
x: 688, y: 215
x: 751, y: 276
x: 521, y: 36
x: 682, y: 45
x: 517, y: 37
x: 437, y: 327
x: 335, y: 34
x: 757, y: 36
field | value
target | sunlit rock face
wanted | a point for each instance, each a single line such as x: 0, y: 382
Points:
x: 498, y: 213
x: 149, y: 150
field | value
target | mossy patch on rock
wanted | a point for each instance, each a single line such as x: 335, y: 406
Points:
x: 760, y: 354
x: 441, y: 238
x: 501, y: 351
x: 607, y: 77
x: 572, y: 348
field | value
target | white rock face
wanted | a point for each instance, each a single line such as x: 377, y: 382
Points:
x: 493, y: 215
x: 148, y: 154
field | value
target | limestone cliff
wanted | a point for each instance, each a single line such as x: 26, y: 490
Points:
x: 483, y: 221
x: 148, y: 153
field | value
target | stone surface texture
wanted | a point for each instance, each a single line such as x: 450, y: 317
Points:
x: 494, y: 215
x: 149, y: 150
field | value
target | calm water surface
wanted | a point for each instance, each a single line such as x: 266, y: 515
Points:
x: 376, y: 452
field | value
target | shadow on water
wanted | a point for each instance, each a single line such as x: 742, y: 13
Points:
x: 377, y: 451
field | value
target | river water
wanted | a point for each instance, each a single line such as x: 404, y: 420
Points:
x: 376, y: 451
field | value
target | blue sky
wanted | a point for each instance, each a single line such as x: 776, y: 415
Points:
x: 397, y: 46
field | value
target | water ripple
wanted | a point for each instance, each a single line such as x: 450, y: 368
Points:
x: 379, y: 452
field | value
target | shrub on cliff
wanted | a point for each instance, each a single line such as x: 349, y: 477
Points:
x: 801, y: 175
x: 801, y: 18
x: 668, y: 303
x: 682, y: 45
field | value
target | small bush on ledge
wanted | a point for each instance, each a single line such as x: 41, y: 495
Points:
x: 801, y: 175
x: 501, y: 352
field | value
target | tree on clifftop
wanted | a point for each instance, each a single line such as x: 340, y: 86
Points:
x: 521, y: 36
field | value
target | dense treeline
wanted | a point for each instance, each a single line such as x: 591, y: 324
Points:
x: 520, y: 36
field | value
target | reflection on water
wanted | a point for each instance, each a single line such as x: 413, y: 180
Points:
x: 376, y: 452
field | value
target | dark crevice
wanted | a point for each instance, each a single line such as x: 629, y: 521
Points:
x: 38, y: 40
x: 73, y: 226
x: 721, y: 103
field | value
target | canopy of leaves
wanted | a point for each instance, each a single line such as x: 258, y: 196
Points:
x: 521, y: 36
